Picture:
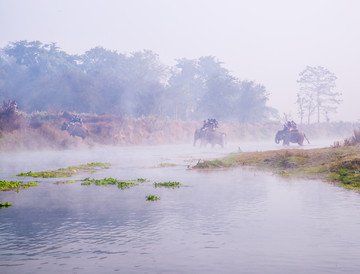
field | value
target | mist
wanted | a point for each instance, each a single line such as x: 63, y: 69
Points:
x: 268, y: 43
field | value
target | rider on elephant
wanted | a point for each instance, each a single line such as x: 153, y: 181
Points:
x: 290, y: 126
x: 210, y: 124
x: 76, y: 119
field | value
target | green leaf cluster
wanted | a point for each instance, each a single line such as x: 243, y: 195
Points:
x: 168, y: 184
x: 6, y: 204
x: 108, y: 181
x: 8, y: 185
x: 152, y: 198
x: 45, y: 174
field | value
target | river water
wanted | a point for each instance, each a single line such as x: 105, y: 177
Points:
x: 218, y: 221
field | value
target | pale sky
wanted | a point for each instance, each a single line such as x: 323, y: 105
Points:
x: 267, y: 41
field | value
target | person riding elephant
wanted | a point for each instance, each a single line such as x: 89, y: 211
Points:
x: 291, y: 136
x: 199, y: 134
x: 214, y: 138
x: 75, y: 129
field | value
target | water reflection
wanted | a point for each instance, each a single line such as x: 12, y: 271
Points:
x: 227, y: 221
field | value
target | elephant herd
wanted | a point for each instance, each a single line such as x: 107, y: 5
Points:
x: 206, y: 137
x: 214, y: 138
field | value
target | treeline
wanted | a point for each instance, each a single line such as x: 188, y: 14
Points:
x: 42, y: 77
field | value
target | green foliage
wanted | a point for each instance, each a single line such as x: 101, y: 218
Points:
x: 142, y: 180
x: 166, y: 165
x: 103, y: 81
x: 349, y: 177
x: 6, y: 204
x: 8, y: 185
x: 65, y: 172
x: 168, y: 184
x: 88, y: 166
x: 109, y: 181
x: 65, y: 182
x: 217, y: 163
x: 45, y: 174
x: 152, y: 198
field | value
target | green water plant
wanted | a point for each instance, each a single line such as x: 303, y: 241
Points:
x: 46, y: 174
x: 87, y: 167
x: 9, y: 185
x: 152, y: 198
x: 166, y: 165
x: 142, y: 180
x: 65, y: 172
x: 64, y: 182
x: 168, y: 184
x: 6, y: 204
x: 109, y: 181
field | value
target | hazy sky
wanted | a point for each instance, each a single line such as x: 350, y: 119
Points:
x: 268, y: 41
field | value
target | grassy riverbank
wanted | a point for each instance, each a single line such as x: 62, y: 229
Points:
x: 336, y: 164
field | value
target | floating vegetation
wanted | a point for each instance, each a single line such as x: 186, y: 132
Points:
x: 166, y: 165
x: 65, y: 172
x: 6, y: 204
x: 9, y: 185
x: 152, y: 198
x: 142, y: 180
x: 168, y: 184
x: 108, y: 181
x: 88, y: 166
x: 65, y: 182
x: 212, y: 164
x: 46, y: 174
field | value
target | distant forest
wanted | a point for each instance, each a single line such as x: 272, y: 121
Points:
x: 42, y: 77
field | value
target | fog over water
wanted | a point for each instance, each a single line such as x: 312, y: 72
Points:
x: 228, y: 221
x: 150, y: 72
x: 131, y: 156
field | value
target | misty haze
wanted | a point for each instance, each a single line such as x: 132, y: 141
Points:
x: 180, y: 137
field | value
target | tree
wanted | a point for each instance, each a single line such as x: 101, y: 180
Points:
x: 316, y: 92
x: 186, y: 89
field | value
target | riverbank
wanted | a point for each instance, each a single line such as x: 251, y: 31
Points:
x: 340, y: 164
x: 42, y: 131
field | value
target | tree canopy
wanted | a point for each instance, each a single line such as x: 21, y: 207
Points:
x: 317, y: 95
x: 42, y: 77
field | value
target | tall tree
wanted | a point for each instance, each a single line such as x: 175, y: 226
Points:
x: 317, y: 93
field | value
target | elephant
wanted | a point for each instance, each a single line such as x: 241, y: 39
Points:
x: 215, y: 138
x: 75, y: 130
x: 210, y: 137
x: 295, y: 136
x: 199, y: 134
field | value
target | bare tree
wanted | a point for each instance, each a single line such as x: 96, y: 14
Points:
x: 316, y: 92
x: 301, y: 101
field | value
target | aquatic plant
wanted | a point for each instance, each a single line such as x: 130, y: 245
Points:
x: 65, y: 182
x: 152, y: 198
x: 166, y: 165
x: 142, y: 180
x: 212, y: 164
x: 168, y: 184
x: 8, y: 185
x: 6, y: 204
x: 65, y: 172
x: 46, y: 174
x: 88, y: 166
x: 108, y: 181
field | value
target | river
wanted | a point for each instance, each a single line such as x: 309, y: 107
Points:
x: 219, y: 221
